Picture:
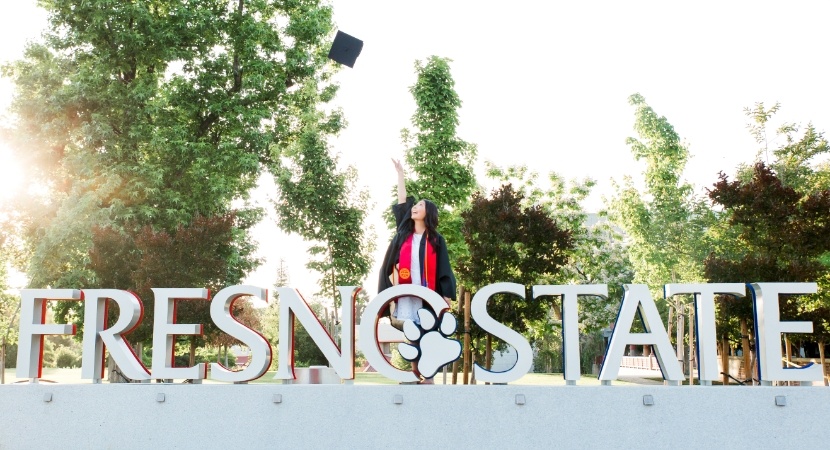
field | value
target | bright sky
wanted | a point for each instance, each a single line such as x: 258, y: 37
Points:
x: 545, y: 84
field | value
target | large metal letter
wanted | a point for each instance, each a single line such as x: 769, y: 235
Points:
x: 570, y: 320
x: 636, y: 299
x: 524, y: 354
x: 96, y: 337
x: 768, y: 329
x: 33, y: 327
x: 221, y: 312
x: 165, y: 328
x: 369, y: 324
x: 292, y: 305
x: 707, y: 347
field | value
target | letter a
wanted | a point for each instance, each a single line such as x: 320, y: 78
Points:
x: 636, y: 299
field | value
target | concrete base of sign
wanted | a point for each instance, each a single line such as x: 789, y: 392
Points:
x: 141, y: 416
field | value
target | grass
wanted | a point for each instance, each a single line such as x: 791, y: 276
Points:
x: 531, y: 379
x: 73, y: 376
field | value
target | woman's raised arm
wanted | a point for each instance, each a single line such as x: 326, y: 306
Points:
x: 401, y: 181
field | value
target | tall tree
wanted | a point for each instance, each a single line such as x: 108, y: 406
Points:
x: 199, y: 254
x: 153, y: 112
x: 790, y: 168
x: 511, y: 242
x: 781, y: 235
x: 322, y: 204
x: 13, y: 253
x: 441, y: 162
x: 665, y: 223
x: 598, y: 254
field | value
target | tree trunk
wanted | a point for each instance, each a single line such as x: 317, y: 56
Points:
x: 472, y: 364
x: 488, y: 355
x: 456, y: 365
x: 467, y: 349
x: 139, y: 351
x: 724, y: 359
x: 692, y: 355
x: 3, y: 362
x: 822, y: 361
x: 747, y: 351
x: 488, y: 352
x: 787, y: 352
x: 681, y: 331
x: 192, y: 351
x: 669, y: 322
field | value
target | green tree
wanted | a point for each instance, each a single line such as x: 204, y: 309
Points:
x: 271, y: 315
x: 598, y: 254
x: 793, y: 157
x: 153, y: 112
x: 664, y: 224
x: 511, y: 242
x: 321, y: 204
x: 12, y: 255
x: 799, y: 159
x: 780, y: 236
x: 441, y: 162
x: 200, y: 254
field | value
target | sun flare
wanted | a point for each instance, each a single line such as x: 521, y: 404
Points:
x: 11, y: 177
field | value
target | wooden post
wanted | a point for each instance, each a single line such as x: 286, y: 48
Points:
x: 669, y: 322
x: 821, y: 360
x: 467, y: 349
x: 747, y: 351
x: 472, y: 373
x: 788, y: 352
x: 681, y: 328
x: 458, y: 313
x: 692, y: 356
x: 724, y: 360
x: 488, y: 352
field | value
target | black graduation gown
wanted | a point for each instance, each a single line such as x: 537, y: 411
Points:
x: 445, y: 283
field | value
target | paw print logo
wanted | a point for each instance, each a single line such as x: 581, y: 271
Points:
x: 430, y: 347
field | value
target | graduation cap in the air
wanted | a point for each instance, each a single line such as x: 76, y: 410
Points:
x: 345, y: 49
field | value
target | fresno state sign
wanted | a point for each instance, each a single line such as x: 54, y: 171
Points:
x: 429, y: 345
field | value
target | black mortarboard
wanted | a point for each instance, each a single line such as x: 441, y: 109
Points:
x: 345, y: 49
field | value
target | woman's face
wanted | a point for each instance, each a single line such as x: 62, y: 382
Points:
x: 419, y: 211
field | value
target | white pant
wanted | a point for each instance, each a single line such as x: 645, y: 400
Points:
x: 407, y: 308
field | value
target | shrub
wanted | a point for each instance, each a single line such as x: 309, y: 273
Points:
x: 65, y: 358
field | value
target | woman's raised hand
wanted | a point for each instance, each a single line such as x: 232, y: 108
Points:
x: 398, y: 166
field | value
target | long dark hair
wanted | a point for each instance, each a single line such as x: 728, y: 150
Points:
x: 430, y: 221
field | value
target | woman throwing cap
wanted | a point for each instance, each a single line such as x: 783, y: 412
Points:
x: 417, y: 254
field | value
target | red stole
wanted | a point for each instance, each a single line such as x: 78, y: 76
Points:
x: 427, y: 263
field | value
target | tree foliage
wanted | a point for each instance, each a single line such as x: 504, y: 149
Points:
x: 153, y: 112
x: 780, y: 235
x: 203, y: 253
x: 769, y: 226
x: 441, y: 162
x: 322, y: 204
x: 664, y: 224
x: 511, y: 242
x: 598, y: 254
x: 799, y: 161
